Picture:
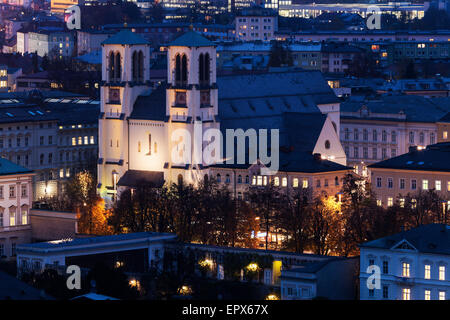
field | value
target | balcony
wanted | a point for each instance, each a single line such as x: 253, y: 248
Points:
x: 404, y: 280
x: 20, y: 227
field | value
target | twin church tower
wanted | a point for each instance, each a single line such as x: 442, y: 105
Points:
x: 137, y: 122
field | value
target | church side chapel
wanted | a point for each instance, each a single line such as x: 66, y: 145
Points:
x: 137, y: 124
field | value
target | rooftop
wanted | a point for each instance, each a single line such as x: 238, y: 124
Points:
x: 432, y: 158
x: 430, y: 238
x: 191, y: 39
x: 7, y: 168
x: 126, y: 37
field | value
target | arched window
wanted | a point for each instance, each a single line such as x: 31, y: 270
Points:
x: 247, y: 179
x: 239, y: 179
x: 207, y: 68
x: 111, y: 67
x: 205, y: 178
x: 135, y: 66
x: 141, y: 66
x: 201, y: 69
x: 327, y: 144
x: 184, y: 70
x: 177, y: 69
x: 1, y: 216
x: 117, y: 67
x: 180, y: 180
x: 227, y: 178
x: 219, y: 178
x: 336, y: 181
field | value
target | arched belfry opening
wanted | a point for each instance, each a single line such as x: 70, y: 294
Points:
x: 114, y: 66
x: 137, y: 65
x: 204, y: 69
x: 180, y: 70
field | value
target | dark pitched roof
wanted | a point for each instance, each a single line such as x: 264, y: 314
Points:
x: 152, y: 106
x: 7, y: 168
x: 125, y: 37
x: 434, y: 158
x: 430, y: 238
x: 293, y: 91
x: 445, y: 118
x: 191, y: 39
x: 411, y: 108
x: 133, y: 178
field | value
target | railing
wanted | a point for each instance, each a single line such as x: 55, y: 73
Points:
x: 20, y: 227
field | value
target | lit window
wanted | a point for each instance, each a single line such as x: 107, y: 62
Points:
x: 24, y: 216
x: 276, y: 181
x: 92, y: 140
x: 80, y: 140
x: 295, y: 183
x: 379, y: 203
x: 442, y: 273
x: 427, y: 271
x: 402, y: 202
x: 441, y: 295
x: 259, y: 181
x: 438, y: 185
x: 265, y: 180
x: 86, y: 138
x: 444, y: 135
x: 74, y: 141
x: 284, y: 182
x: 390, y: 202
x: 425, y: 184
x: 305, y: 183
x: 405, y: 270
x: 406, y: 294
x: 427, y: 295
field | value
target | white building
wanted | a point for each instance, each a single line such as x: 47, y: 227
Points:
x: 15, y: 203
x: 256, y: 24
x: 413, y: 265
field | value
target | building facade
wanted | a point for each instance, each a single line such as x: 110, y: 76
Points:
x: 412, y: 265
x: 139, y: 126
x: 16, y: 196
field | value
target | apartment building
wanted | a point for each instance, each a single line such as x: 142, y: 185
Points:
x: 386, y: 126
x: 256, y: 24
x: 419, y: 169
x: 51, y: 41
x: 16, y: 196
x: 56, y: 139
x: 412, y: 265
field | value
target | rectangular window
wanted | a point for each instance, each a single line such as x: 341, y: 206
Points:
x: 427, y: 295
x: 305, y: 183
x: 74, y: 141
x: 385, y: 267
x: 425, y: 184
x: 390, y: 202
x: 92, y: 141
x: 1, y: 192
x: 441, y: 295
x: 378, y: 182
x: 413, y: 184
x: 438, y: 185
x: 427, y: 271
x: 405, y: 269
x: 402, y: 183
x: 12, y: 191
x: 385, y: 292
x: 371, y: 293
x: 390, y: 184
x: 406, y: 294
x: 86, y: 139
x: 442, y: 273
x: 24, y: 190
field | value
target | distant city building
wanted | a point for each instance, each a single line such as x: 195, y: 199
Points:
x: 256, y: 24
x: 52, y: 42
x: 56, y: 139
x: 418, y: 170
x: 90, y: 40
x: 287, y: 8
x: 384, y: 127
x: 16, y: 196
x: 59, y: 6
x: 413, y: 265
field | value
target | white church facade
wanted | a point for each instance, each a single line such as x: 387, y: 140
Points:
x: 151, y: 135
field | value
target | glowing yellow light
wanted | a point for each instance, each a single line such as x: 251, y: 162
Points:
x: 252, y: 267
x: 185, y: 290
x: 206, y: 263
x: 272, y: 296
x: 135, y: 284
